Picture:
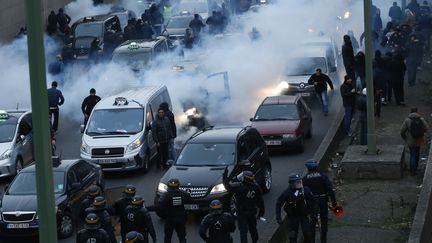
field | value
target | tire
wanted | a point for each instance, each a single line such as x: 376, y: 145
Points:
x: 267, y: 181
x: 66, y: 225
x: 19, y: 165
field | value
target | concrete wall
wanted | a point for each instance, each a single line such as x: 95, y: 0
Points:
x: 421, y: 230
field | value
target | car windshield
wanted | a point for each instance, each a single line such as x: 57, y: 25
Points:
x: 207, y: 154
x: 25, y: 183
x: 277, y: 112
x: 192, y: 7
x: 116, y: 121
x: 179, y: 23
x: 136, y: 60
x: 7, y: 129
x: 88, y: 29
x: 305, y: 66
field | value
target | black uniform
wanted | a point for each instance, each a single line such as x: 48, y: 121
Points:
x: 322, y: 189
x: 121, y: 205
x: 171, y: 206
x: 86, y: 203
x: 248, y: 199
x: 219, y: 225
x: 88, y: 104
x: 105, y: 219
x: 299, y: 206
x: 137, y: 218
x: 92, y: 236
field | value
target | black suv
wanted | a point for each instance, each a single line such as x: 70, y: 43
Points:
x: 95, y: 33
x: 71, y: 179
x: 204, y: 157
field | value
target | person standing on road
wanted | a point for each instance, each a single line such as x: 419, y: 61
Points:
x: 219, y: 225
x: 137, y: 218
x: 320, y: 81
x: 162, y: 134
x: 414, y: 51
x: 348, y: 56
x: 249, y: 200
x: 55, y: 99
x: 52, y: 23
x: 322, y: 189
x: 413, y: 132
x: 92, y: 231
x: 88, y: 104
x: 397, y: 70
x: 196, y: 25
x: 99, y: 208
x: 63, y: 21
x: 299, y: 204
x: 120, y: 205
x: 172, y: 206
x: 92, y: 193
x: 395, y: 13
x: 348, y: 93
x: 171, y: 118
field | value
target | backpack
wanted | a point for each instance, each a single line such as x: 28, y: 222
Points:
x: 416, y: 127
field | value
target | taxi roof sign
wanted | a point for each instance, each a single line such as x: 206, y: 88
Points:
x: 3, y: 115
x: 177, y: 68
x: 133, y: 46
x: 120, y: 101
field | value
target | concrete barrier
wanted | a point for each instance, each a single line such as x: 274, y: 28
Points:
x: 421, y: 230
x: 275, y: 233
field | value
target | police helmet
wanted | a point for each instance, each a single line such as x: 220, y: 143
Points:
x: 173, y: 183
x: 94, y: 191
x: 311, y: 164
x: 99, y: 202
x: 248, y: 176
x: 134, y: 237
x: 216, y: 204
x: 92, y: 221
x: 137, y: 201
x: 129, y: 190
x: 293, y: 178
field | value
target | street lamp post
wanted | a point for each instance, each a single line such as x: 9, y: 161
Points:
x: 371, y: 137
x: 42, y: 139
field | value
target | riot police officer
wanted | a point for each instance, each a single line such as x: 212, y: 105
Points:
x: 248, y: 197
x: 99, y: 208
x: 137, y: 218
x: 92, y: 193
x: 171, y: 206
x: 134, y: 237
x: 92, y: 231
x: 121, y: 204
x: 322, y: 189
x: 219, y: 225
x: 299, y: 205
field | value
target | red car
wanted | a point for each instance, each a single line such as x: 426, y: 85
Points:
x: 283, y: 121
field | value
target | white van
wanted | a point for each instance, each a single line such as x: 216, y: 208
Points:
x: 118, y: 133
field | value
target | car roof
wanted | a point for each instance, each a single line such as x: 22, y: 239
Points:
x: 283, y: 99
x: 138, y: 44
x: 226, y: 134
x: 63, y: 166
x: 141, y: 95
x: 95, y: 18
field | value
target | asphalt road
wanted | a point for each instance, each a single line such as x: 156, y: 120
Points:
x: 283, y: 163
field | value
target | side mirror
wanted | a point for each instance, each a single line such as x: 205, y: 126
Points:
x: 245, y: 162
x: 170, y: 162
x: 305, y: 117
x: 82, y: 128
x: 251, y: 119
x: 55, y: 159
x: 6, y: 187
x: 21, y: 137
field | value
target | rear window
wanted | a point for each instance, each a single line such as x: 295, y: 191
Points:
x: 277, y: 112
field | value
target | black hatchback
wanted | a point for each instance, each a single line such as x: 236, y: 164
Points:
x: 71, y: 179
x: 204, y: 157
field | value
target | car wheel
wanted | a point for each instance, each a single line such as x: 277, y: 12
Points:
x: 66, y: 225
x: 19, y: 165
x: 233, y: 208
x: 267, y: 180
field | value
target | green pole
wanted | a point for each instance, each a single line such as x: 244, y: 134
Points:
x: 371, y: 138
x: 42, y: 138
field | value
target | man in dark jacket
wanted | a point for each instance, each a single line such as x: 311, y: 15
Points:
x: 397, y: 70
x: 121, y: 204
x: 147, y: 30
x: 52, y: 23
x: 249, y: 203
x: 299, y: 204
x: 320, y: 81
x: 130, y: 32
x: 55, y: 99
x: 63, y: 21
x: 92, y: 231
x: 360, y: 68
x: 171, y: 117
x: 414, y: 53
x: 348, y: 93
x: 99, y: 208
x: 88, y: 104
x: 395, y: 13
x: 219, y: 225
x: 162, y: 134
x: 348, y: 56
x: 196, y: 25
x: 92, y: 193
x: 137, y: 218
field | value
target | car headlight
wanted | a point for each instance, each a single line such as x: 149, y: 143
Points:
x: 162, y: 187
x: 85, y: 148
x: 191, y: 111
x: 283, y: 85
x: 288, y: 136
x: 134, y: 145
x: 6, y: 154
x: 219, y: 188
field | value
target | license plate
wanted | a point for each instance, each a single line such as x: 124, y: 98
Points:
x: 304, y: 94
x: 191, y: 206
x: 273, y: 142
x: 106, y: 161
x: 18, y: 226
x: 82, y: 57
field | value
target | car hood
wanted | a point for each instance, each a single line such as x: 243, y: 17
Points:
x: 12, y: 203
x: 83, y: 42
x: 195, y: 176
x: 276, y: 127
x: 297, y: 79
x: 110, y: 140
x: 4, y: 147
